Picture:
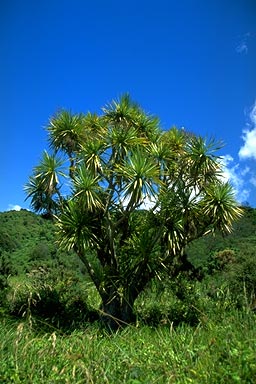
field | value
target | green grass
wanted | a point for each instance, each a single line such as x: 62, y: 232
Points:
x: 221, y: 351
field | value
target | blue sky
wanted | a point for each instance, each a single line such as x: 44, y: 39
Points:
x: 190, y: 62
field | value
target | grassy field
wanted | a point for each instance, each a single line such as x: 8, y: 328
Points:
x: 217, y: 350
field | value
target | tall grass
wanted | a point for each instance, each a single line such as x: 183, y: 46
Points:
x: 218, y: 352
x: 183, y: 335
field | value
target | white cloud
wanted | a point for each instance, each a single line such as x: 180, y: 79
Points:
x: 235, y: 175
x: 226, y: 160
x: 14, y: 207
x: 245, y: 171
x: 253, y: 180
x: 242, y: 47
x: 248, y: 150
x: 242, y: 175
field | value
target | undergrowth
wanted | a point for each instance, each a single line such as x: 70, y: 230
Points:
x: 218, y: 352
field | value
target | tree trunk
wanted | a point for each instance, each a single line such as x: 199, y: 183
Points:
x: 111, y: 311
x: 117, y: 310
x: 127, y: 312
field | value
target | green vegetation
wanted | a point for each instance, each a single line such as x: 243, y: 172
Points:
x: 119, y: 163
x: 186, y: 331
x: 27, y: 240
x: 213, y: 352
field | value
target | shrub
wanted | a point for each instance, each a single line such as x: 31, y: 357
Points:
x: 170, y: 301
x: 50, y: 296
x: 6, y: 270
x: 242, y: 280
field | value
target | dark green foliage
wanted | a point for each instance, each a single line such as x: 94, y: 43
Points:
x: 239, y: 278
x: 28, y: 241
x: 243, y: 238
x: 170, y: 302
x: 231, y: 260
x: 51, y: 297
x: 7, y: 243
x: 7, y: 269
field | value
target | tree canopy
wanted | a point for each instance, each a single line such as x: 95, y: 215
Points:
x: 131, y: 197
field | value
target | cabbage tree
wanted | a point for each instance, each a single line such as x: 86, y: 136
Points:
x: 138, y: 195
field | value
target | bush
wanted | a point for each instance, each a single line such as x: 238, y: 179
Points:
x: 222, y: 259
x: 168, y: 301
x: 6, y: 265
x: 6, y: 270
x: 242, y: 280
x: 7, y: 242
x: 51, y: 297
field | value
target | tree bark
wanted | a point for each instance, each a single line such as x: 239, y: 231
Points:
x: 111, y: 311
x: 117, y: 310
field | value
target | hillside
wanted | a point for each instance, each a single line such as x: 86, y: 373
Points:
x: 27, y: 240
x: 242, y: 241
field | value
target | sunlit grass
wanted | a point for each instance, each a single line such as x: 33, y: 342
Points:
x: 212, y: 352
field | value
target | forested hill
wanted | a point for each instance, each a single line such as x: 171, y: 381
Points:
x: 27, y: 239
x: 19, y: 229
x: 242, y: 241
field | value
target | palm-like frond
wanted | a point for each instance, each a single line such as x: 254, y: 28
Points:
x: 41, y: 201
x: 173, y: 148
x: 66, y: 132
x: 174, y: 207
x: 141, y: 252
x: 141, y: 177
x: 202, y: 162
x: 32, y: 186
x: 175, y: 139
x: 92, y: 155
x: 162, y: 154
x: 122, y: 141
x: 87, y: 189
x: 43, y: 185
x: 121, y: 112
x: 75, y: 227
x: 94, y: 127
x: 174, y: 235
x: 219, y: 205
x: 147, y: 126
x: 48, y: 172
